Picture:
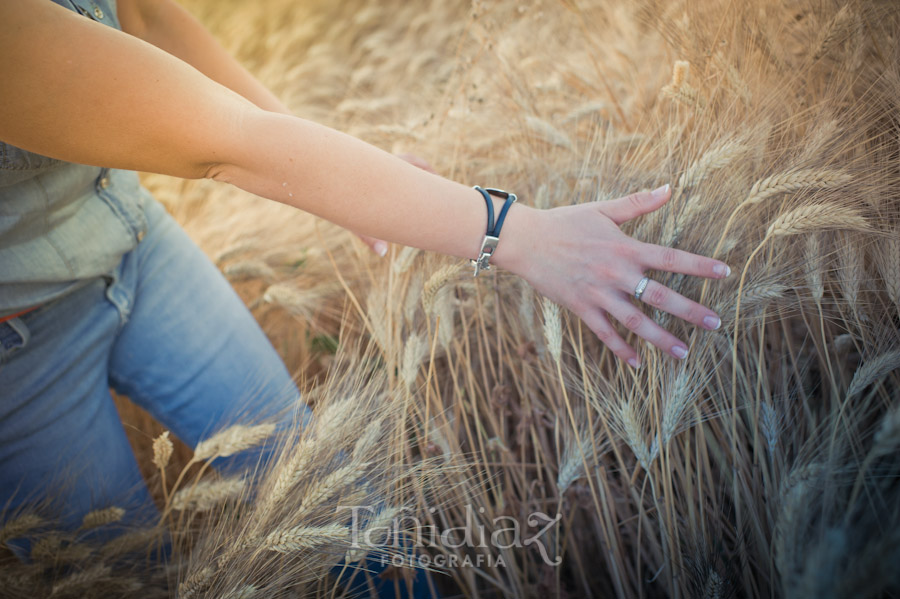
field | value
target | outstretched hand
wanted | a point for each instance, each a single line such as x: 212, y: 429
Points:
x: 586, y: 263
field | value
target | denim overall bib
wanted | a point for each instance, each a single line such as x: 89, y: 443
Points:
x: 62, y: 224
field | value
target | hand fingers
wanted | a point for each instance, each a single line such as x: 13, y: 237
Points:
x: 672, y: 260
x: 377, y: 245
x: 660, y: 296
x: 639, y: 323
x: 600, y: 325
x: 635, y: 204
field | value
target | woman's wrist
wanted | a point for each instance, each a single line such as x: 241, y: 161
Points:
x: 517, y: 238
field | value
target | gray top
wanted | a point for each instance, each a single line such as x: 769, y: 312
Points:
x: 63, y: 224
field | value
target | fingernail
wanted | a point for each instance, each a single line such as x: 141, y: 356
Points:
x: 712, y: 322
x: 679, y: 352
x: 660, y: 192
x: 381, y: 248
x: 722, y: 270
x: 633, y: 362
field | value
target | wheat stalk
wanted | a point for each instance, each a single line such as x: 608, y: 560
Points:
x: 290, y: 473
x: 196, y: 583
x: 382, y: 521
x: 888, y: 435
x: 331, y: 484
x: 294, y: 301
x: 414, y: 351
x: 436, y: 282
x: 816, y: 217
x: 412, y: 297
x: 368, y: 439
x: 770, y: 423
x: 298, y: 538
x: 681, y: 70
x: 873, y: 370
x: 835, y: 32
x: 162, y: 450
x: 405, y: 259
x: 247, y: 591
x: 53, y: 548
x: 84, y: 578
x: 232, y: 440
x: 629, y: 427
x: 712, y: 160
x: 851, y: 269
x: 101, y: 517
x: 548, y: 133
x: 131, y: 541
x: 207, y: 494
x: 812, y: 258
x: 794, y: 180
x: 19, y: 526
x: 162, y: 453
x: 552, y: 329
x: 684, y: 94
x: 888, y: 262
x: 250, y: 269
x: 679, y: 398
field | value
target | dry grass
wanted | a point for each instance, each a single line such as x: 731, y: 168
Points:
x: 762, y: 466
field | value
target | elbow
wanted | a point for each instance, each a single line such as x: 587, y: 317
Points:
x: 216, y: 171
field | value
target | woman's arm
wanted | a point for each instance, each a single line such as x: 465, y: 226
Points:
x: 170, y: 27
x: 83, y: 92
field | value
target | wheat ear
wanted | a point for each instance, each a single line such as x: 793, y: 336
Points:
x: 162, y: 453
x: 81, y: 579
x: 873, y: 370
x: 794, y: 180
x: 232, y: 440
x: 19, y: 526
x: 414, y: 352
x: 888, y: 261
x: 196, y: 583
x: 290, y: 473
x: 291, y: 540
x: 552, y: 329
x: 548, y: 133
x: 331, y: 484
x: 98, y: 518
x: 713, y: 160
x: 207, y: 494
x: 816, y: 217
x: 436, y: 282
x: 835, y: 32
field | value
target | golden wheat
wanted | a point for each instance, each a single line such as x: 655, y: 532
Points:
x: 816, y: 217
x: 101, y: 517
x: 208, y: 494
x: 299, y: 538
x: 232, y: 440
x: 795, y: 180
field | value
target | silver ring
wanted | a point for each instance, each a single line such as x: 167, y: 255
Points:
x: 639, y: 290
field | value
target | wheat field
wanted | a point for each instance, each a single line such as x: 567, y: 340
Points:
x: 764, y: 465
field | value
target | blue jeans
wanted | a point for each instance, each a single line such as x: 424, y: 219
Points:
x: 165, y: 329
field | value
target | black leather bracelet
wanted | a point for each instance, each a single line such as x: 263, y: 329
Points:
x: 492, y: 236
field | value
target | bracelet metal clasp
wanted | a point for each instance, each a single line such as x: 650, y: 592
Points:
x: 488, y: 245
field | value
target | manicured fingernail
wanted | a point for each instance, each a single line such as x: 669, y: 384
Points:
x: 660, y: 192
x: 679, y: 352
x: 380, y: 248
x: 712, y: 322
x: 722, y: 270
x: 634, y: 362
